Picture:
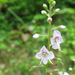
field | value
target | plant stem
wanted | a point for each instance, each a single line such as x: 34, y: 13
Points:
x: 45, y: 70
x: 49, y: 31
x: 15, y: 15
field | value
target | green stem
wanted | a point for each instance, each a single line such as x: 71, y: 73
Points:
x: 49, y: 31
x: 45, y: 70
x: 16, y: 16
x: 49, y: 35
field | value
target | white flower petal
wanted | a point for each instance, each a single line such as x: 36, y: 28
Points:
x: 43, y: 49
x: 50, y: 55
x: 52, y: 41
x: 39, y: 55
x: 66, y: 73
x: 60, y: 73
x: 55, y: 46
x: 56, y: 33
x: 45, y: 60
x: 60, y: 39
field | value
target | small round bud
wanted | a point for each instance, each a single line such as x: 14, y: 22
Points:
x: 62, y: 27
x: 35, y: 36
x: 44, y: 5
x: 43, y: 12
x: 58, y: 9
x: 54, y: 2
x: 74, y: 60
x: 70, y: 69
x: 49, y: 19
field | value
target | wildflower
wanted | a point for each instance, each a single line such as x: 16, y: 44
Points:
x: 56, y: 40
x: 58, y: 9
x: 44, y: 5
x: 45, y: 55
x: 70, y: 69
x: 43, y: 12
x: 49, y: 19
x: 61, y: 73
x: 62, y: 27
x: 35, y: 36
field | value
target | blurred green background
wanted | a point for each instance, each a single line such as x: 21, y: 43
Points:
x: 19, y: 20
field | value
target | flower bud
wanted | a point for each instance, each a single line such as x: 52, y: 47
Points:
x: 58, y: 9
x: 44, y: 5
x: 70, y: 69
x: 74, y: 60
x: 43, y: 12
x: 35, y: 36
x: 62, y: 27
x: 54, y: 2
x: 49, y: 19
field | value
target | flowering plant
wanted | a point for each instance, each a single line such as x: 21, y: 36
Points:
x: 46, y: 54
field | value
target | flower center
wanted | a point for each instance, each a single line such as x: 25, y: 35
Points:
x: 56, y: 38
x: 44, y: 54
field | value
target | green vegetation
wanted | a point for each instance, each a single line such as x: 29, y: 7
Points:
x: 19, y: 20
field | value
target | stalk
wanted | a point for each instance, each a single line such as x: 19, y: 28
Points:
x: 45, y: 70
x: 49, y: 30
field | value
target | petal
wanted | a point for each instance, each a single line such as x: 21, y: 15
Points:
x: 52, y: 41
x: 50, y: 55
x: 60, y: 39
x: 45, y: 60
x: 55, y: 46
x: 56, y: 33
x: 66, y: 73
x: 43, y: 49
x: 39, y: 55
x: 60, y: 73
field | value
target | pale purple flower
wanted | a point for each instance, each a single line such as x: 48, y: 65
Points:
x: 62, y: 27
x: 56, y: 40
x: 49, y: 19
x: 35, y: 36
x: 61, y: 73
x: 70, y: 69
x: 45, y: 55
x: 58, y: 9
